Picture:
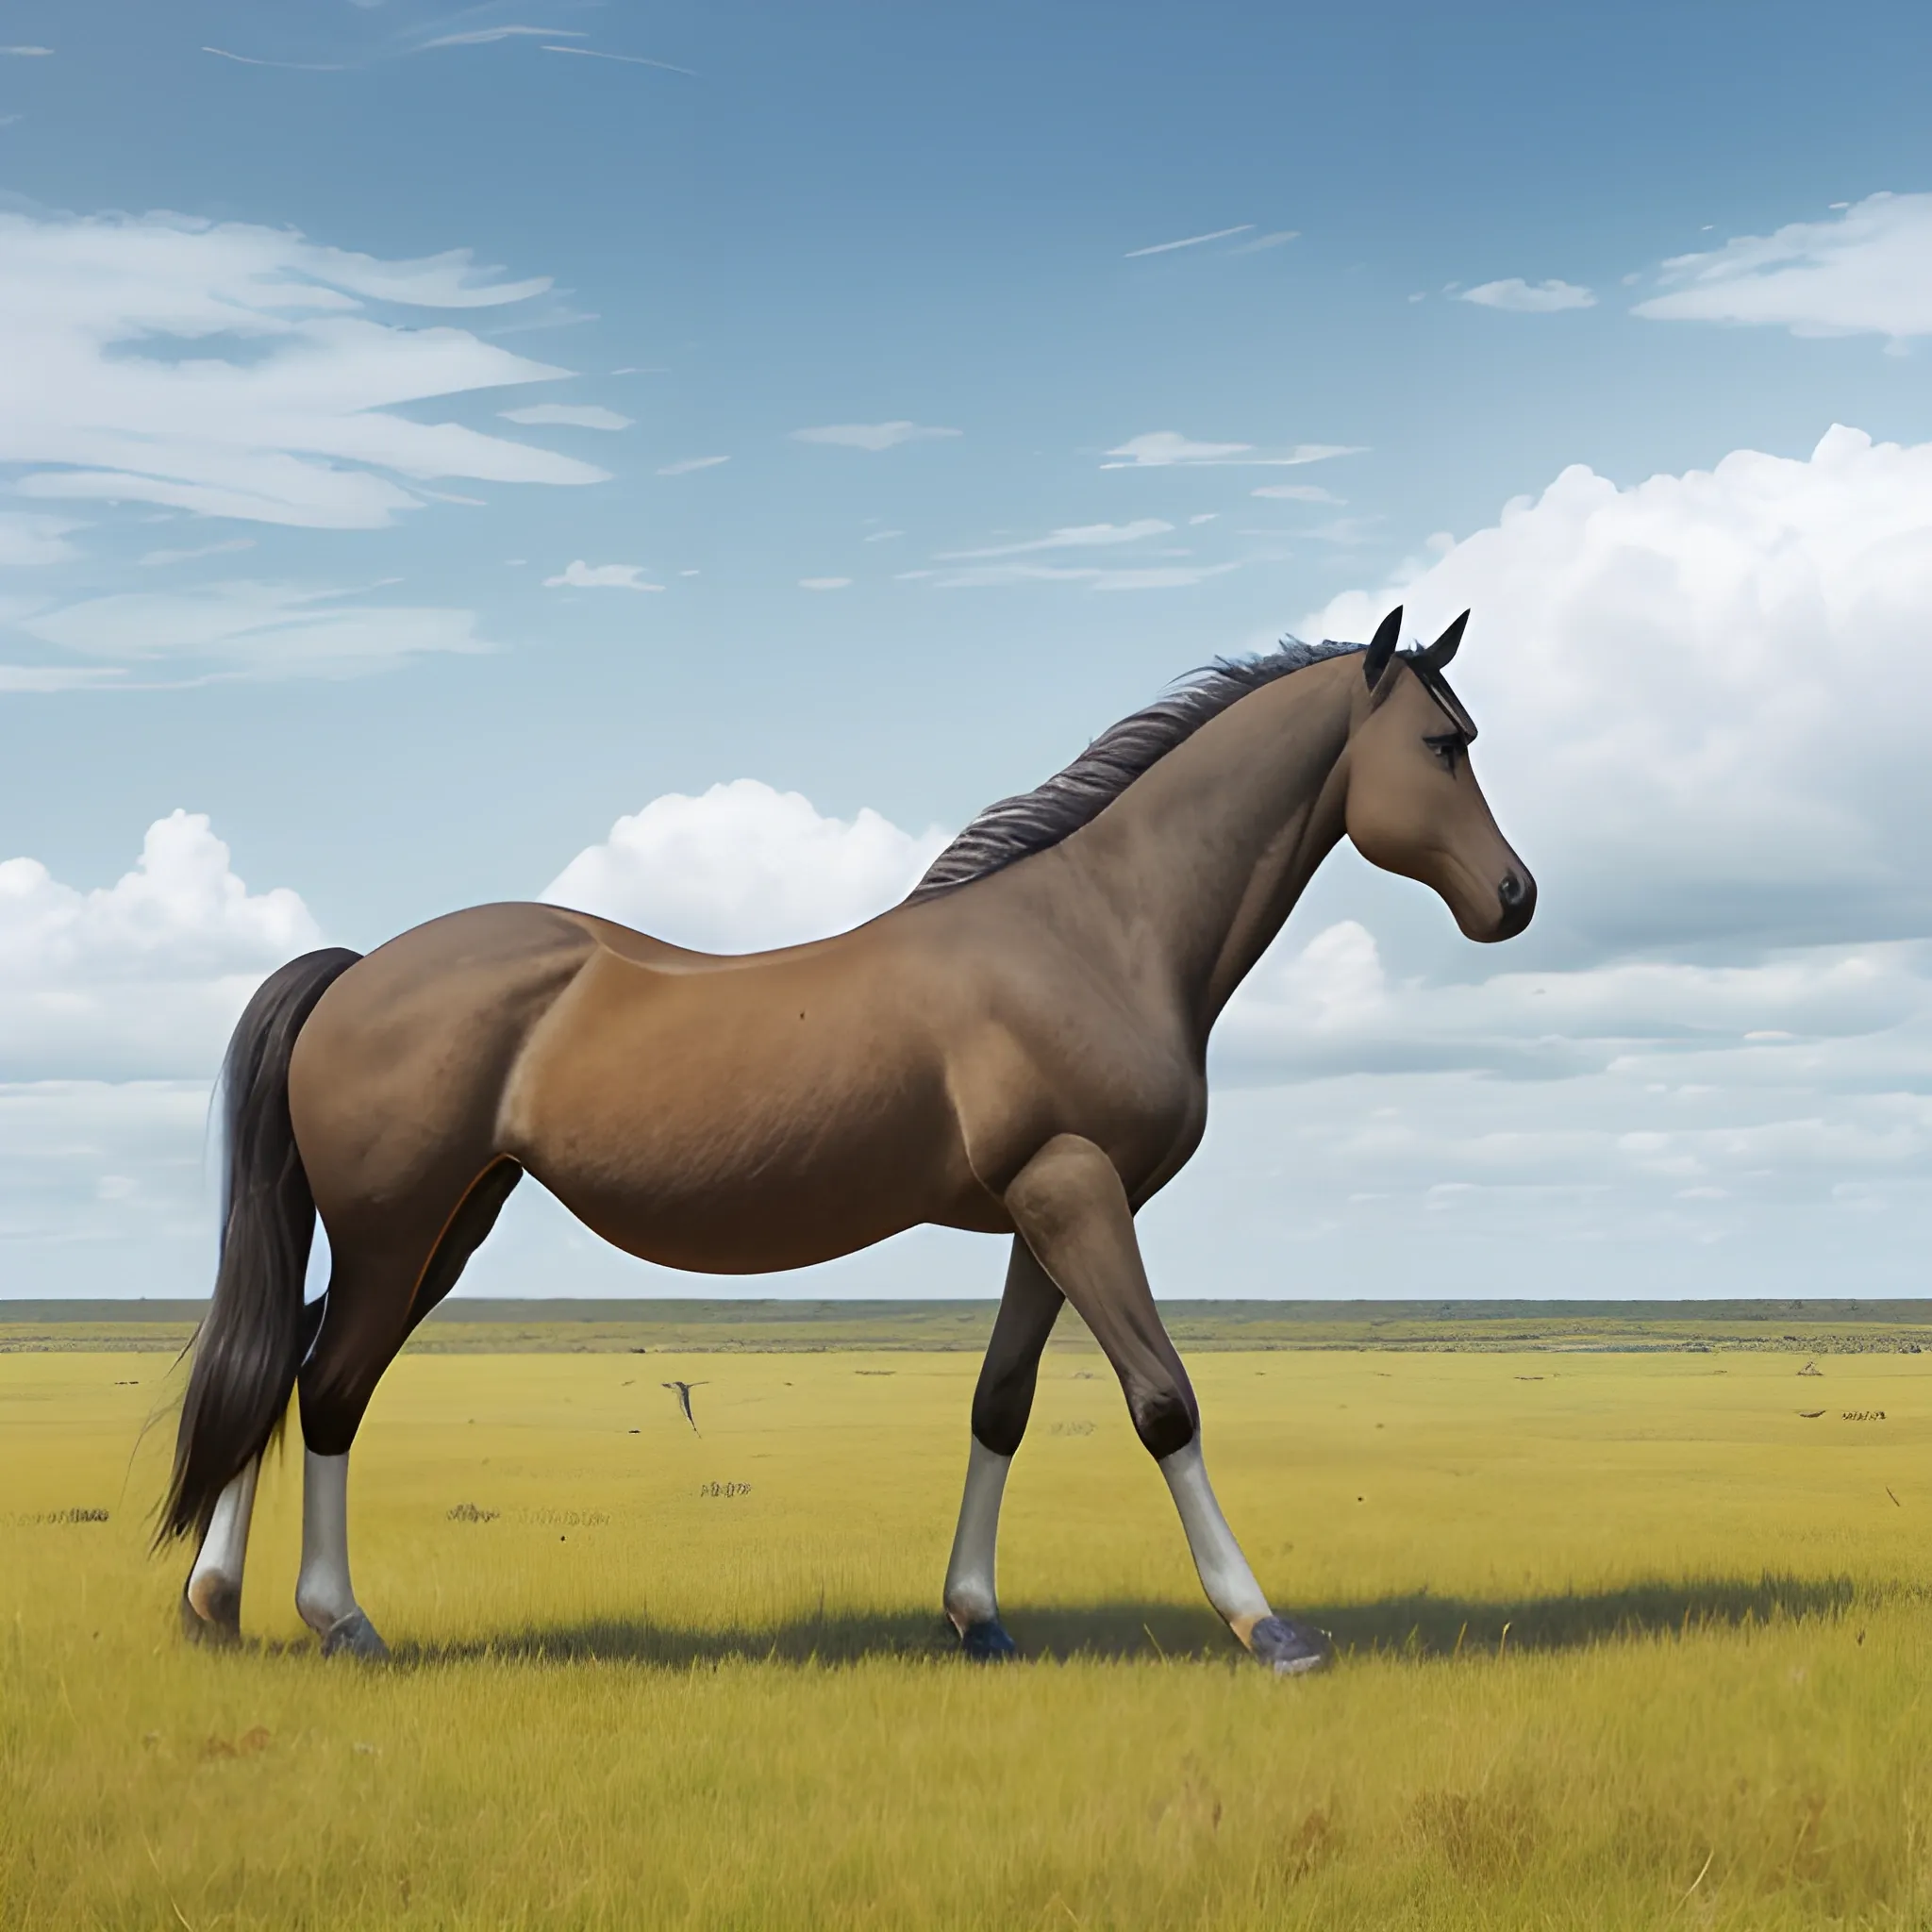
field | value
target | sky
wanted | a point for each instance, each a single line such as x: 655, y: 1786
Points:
x: 683, y: 460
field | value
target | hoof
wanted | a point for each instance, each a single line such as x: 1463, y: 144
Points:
x: 1290, y: 1650
x: 355, y: 1636
x: 988, y: 1642
x: 219, y: 1628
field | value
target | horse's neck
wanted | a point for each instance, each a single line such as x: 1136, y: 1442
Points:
x: 1204, y: 856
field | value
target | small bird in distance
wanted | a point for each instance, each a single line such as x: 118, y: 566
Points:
x: 682, y: 1390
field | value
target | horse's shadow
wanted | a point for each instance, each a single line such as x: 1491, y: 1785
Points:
x: 1420, y: 1624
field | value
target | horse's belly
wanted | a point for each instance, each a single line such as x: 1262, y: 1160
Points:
x: 725, y: 1162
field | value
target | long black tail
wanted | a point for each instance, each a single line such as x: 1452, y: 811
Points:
x: 249, y: 1348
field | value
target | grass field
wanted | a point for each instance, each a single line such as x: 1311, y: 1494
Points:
x: 1628, y: 1640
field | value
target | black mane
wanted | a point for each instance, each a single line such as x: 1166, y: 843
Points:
x: 1017, y: 828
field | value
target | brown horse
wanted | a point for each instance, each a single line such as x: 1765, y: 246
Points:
x: 1019, y: 1049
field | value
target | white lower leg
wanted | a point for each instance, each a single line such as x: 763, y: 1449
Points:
x: 214, y: 1585
x: 1224, y: 1573
x: 322, y: 1591
x: 970, y: 1597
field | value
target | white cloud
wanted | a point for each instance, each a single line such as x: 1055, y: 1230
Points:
x: 1295, y: 492
x: 26, y: 53
x: 485, y: 36
x: 825, y: 583
x: 743, y: 868
x: 1189, y: 241
x: 1161, y: 449
x: 27, y: 541
x: 154, y: 559
x: 144, y: 978
x: 580, y: 575
x: 239, y: 370
x: 1166, y: 577
x: 1073, y: 537
x: 870, y: 436
x: 1868, y: 272
x: 567, y: 416
x: 691, y: 463
x: 1273, y: 239
x: 1332, y: 1008
x: 1702, y: 696
x: 253, y: 629
x: 628, y: 59
x: 1529, y: 298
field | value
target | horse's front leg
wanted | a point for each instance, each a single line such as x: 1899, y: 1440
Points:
x: 1001, y: 1405
x: 1071, y: 1210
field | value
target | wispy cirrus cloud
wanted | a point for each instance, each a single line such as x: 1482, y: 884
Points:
x: 237, y: 371
x: 689, y: 465
x: 627, y: 59
x: 1189, y: 241
x: 154, y: 559
x: 28, y: 53
x: 1528, y: 298
x: 1295, y: 492
x: 567, y: 416
x: 245, y: 628
x: 289, y: 66
x: 487, y: 35
x: 871, y: 436
x: 1867, y: 273
x: 1073, y: 537
x: 1274, y: 240
x: 1164, y: 449
x: 580, y: 575
x: 27, y: 541
x: 987, y: 576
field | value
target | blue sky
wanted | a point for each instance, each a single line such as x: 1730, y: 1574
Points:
x: 370, y: 370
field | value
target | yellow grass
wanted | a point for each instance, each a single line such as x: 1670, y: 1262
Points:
x: 626, y: 1700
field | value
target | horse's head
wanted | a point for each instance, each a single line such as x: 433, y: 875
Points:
x: 1414, y: 807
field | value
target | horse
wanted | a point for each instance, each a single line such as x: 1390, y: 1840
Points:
x: 1016, y: 1048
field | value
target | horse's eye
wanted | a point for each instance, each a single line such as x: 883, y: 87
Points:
x: 1447, y: 748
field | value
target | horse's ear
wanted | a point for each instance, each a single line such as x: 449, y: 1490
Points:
x: 1382, y: 648
x: 1439, y: 653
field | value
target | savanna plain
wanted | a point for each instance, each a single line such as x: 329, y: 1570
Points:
x: 1625, y: 1639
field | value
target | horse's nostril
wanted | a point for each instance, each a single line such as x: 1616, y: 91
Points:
x: 1517, y: 896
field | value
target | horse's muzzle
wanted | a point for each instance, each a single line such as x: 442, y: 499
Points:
x: 1517, y: 895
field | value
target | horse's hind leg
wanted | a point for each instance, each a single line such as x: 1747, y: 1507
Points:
x: 382, y: 1282
x: 1070, y: 1207
x: 211, y: 1599
x: 1001, y: 1405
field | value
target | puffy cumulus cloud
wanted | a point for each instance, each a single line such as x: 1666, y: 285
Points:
x: 743, y: 868
x: 1867, y: 273
x: 144, y: 978
x: 236, y: 629
x: 1700, y: 695
x: 246, y: 372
